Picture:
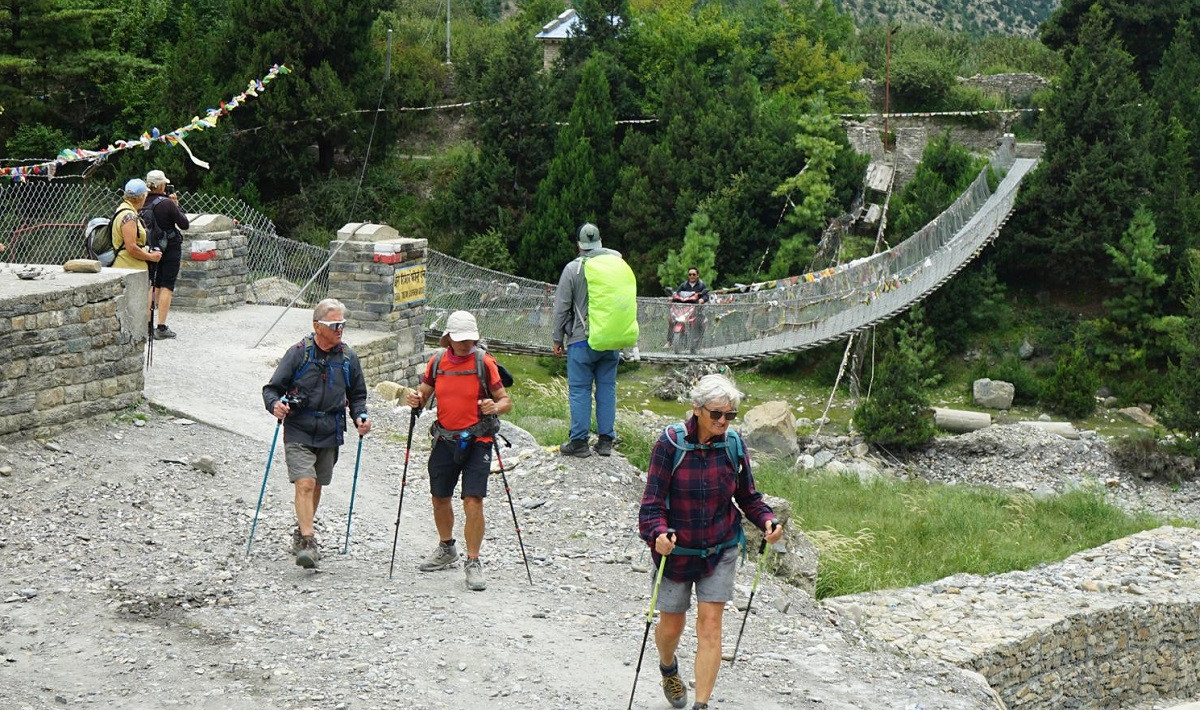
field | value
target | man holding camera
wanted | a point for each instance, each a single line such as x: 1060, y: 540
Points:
x: 314, y: 383
x: 162, y: 206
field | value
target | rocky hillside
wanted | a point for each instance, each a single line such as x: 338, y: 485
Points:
x: 1013, y: 17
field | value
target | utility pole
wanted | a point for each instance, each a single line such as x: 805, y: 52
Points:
x: 887, y: 80
x: 447, y: 31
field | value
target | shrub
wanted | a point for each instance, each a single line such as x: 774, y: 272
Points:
x: 1146, y: 456
x: 1071, y: 390
x: 1027, y: 384
x: 897, y: 413
x: 490, y: 251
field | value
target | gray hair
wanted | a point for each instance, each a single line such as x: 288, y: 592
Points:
x: 329, y: 304
x: 712, y: 389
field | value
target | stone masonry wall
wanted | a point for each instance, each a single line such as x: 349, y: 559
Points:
x: 1113, y: 627
x: 366, y: 274
x: 212, y: 283
x: 71, y: 347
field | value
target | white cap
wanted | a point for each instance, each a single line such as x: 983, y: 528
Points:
x: 461, y: 326
x: 154, y: 178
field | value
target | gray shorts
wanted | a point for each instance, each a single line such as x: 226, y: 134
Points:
x: 310, y: 462
x: 676, y: 597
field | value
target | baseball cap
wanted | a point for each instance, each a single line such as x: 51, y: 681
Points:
x: 588, y: 236
x: 136, y: 188
x: 157, y: 177
x: 461, y: 326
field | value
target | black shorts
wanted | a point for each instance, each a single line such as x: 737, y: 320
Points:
x: 444, y: 473
x: 167, y: 270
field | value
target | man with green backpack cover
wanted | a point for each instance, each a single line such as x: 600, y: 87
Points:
x: 595, y: 315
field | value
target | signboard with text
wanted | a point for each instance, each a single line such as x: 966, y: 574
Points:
x: 409, y: 284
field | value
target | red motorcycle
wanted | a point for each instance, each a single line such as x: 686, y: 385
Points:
x: 685, y: 315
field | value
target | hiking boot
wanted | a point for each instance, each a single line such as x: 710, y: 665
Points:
x: 297, y: 541
x: 309, y: 553
x: 604, y: 445
x: 474, y: 569
x: 162, y: 332
x: 699, y: 705
x: 443, y: 556
x: 672, y: 685
x: 576, y: 447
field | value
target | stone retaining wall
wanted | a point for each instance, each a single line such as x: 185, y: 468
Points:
x: 212, y: 283
x: 1113, y: 627
x: 71, y: 347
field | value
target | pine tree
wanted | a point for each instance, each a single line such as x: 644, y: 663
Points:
x: 1181, y: 408
x: 1135, y: 278
x: 1099, y: 141
x: 897, y: 412
x: 1070, y: 391
x: 700, y: 244
x: 578, y: 186
x: 916, y: 339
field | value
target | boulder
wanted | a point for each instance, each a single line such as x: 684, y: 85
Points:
x: 1026, y: 350
x: 794, y: 558
x: 770, y: 428
x: 993, y: 394
x: 1138, y: 415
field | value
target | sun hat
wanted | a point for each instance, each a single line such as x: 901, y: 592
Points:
x: 461, y: 326
x: 157, y: 177
x: 588, y: 236
x: 136, y: 188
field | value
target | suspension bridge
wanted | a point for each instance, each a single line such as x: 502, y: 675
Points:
x: 42, y: 223
x: 761, y: 320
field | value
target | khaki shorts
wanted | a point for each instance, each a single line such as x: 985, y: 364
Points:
x: 676, y: 597
x: 310, y: 462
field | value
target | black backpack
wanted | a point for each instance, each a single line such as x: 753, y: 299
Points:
x: 156, y: 236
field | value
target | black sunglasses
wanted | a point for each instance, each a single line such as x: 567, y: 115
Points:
x: 716, y: 414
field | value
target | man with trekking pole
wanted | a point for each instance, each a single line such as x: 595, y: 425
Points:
x: 698, y: 469
x: 321, y: 377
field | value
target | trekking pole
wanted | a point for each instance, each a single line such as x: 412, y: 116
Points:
x: 263, y: 490
x: 504, y: 479
x: 764, y: 551
x: 412, y: 422
x: 662, y: 565
x: 353, y: 488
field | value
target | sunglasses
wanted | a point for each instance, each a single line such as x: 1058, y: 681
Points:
x: 335, y: 325
x: 716, y: 414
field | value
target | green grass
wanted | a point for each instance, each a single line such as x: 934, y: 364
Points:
x: 890, y: 533
x: 877, y: 535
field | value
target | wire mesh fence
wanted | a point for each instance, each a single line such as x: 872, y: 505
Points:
x: 43, y: 222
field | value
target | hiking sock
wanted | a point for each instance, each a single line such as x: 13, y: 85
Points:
x: 669, y: 670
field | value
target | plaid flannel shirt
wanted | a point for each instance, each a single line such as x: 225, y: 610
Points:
x: 701, y: 494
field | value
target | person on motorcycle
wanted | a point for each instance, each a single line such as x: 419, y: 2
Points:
x: 693, y: 285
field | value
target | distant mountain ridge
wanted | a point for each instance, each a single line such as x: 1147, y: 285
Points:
x: 1009, y: 17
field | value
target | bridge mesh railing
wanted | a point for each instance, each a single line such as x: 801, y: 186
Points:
x: 769, y: 318
x: 42, y: 223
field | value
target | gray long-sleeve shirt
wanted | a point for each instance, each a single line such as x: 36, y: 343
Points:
x: 569, y: 321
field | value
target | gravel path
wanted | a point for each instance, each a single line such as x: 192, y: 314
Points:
x: 125, y: 584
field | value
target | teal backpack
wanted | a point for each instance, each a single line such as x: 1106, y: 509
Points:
x: 734, y: 449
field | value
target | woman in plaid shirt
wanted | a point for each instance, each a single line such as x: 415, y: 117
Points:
x: 691, y: 487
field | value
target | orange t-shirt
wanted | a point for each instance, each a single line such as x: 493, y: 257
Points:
x: 458, y: 395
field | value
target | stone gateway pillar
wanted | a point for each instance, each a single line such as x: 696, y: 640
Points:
x: 380, y: 276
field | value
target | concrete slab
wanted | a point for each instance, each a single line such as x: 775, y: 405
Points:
x: 213, y: 372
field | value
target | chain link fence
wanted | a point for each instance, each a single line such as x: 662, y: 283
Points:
x: 43, y: 222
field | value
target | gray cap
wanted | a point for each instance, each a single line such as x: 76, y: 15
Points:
x: 588, y: 236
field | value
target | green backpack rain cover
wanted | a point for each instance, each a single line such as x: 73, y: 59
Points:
x: 612, y: 303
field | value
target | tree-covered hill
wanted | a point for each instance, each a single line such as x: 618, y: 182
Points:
x: 1013, y: 17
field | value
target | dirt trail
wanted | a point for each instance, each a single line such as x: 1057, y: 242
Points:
x: 126, y: 585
